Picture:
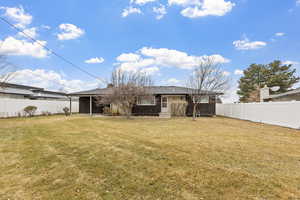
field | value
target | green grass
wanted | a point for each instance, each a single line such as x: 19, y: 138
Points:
x: 114, y: 158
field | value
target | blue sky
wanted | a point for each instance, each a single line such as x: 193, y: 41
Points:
x: 163, y: 37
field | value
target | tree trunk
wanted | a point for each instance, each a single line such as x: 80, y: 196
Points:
x: 129, y: 111
x: 194, y: 111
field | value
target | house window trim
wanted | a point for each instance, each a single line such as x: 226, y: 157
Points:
x: 139, y: 104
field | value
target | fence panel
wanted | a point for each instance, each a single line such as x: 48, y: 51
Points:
x: 14, y: 107
x: 285, y: 114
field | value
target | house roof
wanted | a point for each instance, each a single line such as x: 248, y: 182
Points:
x: 171, y: 90
x: 292, y: 92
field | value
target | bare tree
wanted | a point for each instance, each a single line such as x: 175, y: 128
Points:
x: 126, y: 88
x: 6, y: 70
x: 207, y: 79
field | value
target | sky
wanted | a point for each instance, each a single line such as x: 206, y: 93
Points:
x: 164, y: 38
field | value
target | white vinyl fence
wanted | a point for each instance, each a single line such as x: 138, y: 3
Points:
x: 285, y: 114
x: 14, y: 107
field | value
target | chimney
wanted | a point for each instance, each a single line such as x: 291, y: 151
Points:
x: 264, y: 93
x: 110, y: 85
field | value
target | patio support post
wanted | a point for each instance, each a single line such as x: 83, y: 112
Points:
x: 91, y: 106
x: 70, y: 105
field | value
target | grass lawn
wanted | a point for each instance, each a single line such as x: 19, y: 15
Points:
x: 114, y: 158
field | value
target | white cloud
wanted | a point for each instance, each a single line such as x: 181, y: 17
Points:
x: 185, y: 2
x: 150, y: 70
x: 289, y: 62
x: 226, y: 73
x: 94, y: 60
x: 46, y: 27
x: 246, y: 44
x: 197, y: 8
x: 18, y: 15
x: 174, y: 58
x: 172, y: 81
x: 280, y: 34
x: 32, y: 32
x: 69, y: 32
x: 190, y: 8
x: 128, y: 57
x: 160, y: 11
x: 131, y: 10
x: 50, y: 80
x: 13, y: 46
x: 238, y: 72
x: 297, y: 2
x: 141, y: 2
x: 231, y: 96
x: 137, y: 65
x: 150, y: 57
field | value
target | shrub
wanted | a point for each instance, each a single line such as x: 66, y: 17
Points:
x: 178, y: 109
x: 66, y: 111
x: 46, y: 113
x: 107, y: 110
x: 30, y: 110
x: 115, y: 109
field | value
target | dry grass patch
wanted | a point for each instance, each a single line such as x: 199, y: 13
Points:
x: 113, y: 158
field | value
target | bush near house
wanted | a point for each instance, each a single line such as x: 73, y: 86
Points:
x: 66, y: 111
x: 46, y: 113
x: 107, y: 111
x: 30, y: 110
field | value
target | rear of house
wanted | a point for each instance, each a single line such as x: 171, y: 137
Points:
x: 159, y: 103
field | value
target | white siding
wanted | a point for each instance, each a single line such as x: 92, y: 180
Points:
x: 285, y: 114
x: 10, y: 107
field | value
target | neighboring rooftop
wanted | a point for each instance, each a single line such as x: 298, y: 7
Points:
x: 11, y: 85
x: 29, y: 91
x: 292, y: 92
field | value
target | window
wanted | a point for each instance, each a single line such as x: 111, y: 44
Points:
x: 164, y: 102
x: 146, y: 100
x: 201, y: 99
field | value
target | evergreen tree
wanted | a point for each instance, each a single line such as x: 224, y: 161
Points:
x: 273, y: 74
x: 280, y: 75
